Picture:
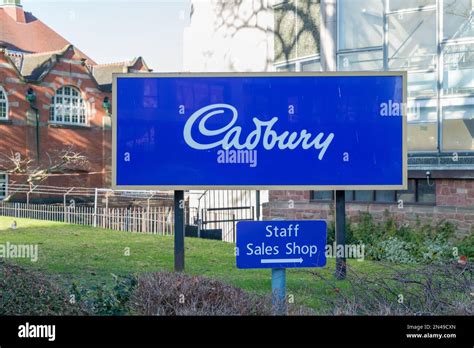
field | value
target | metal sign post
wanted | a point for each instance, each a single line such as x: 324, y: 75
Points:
x: 257, y: 205
x: 340, y: 234
x: 179, y: 231
x: 279, y: 291
x: 279, y: 245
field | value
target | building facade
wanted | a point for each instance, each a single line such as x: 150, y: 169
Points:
x: 431, y: 39
x: 229, y: 36
x: 53, y: 98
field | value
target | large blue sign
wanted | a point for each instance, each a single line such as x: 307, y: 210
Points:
x: 292, y: 131
x: 281, y: 244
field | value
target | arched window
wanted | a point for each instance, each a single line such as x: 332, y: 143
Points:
x: 3, y: 104
x: 68, y: 107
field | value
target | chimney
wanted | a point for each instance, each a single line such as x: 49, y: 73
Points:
x: 14, y: 9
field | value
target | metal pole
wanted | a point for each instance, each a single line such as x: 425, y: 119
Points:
x: 234, y: 239
x: 257, y: 204
x: 340, y: 234
x: 95, y: 208
x: 64, y: 202
x: 385, y: 35
x: 37, y: 133
x: 179, y: 231
x: 279, y: 291
x: 440, y: 74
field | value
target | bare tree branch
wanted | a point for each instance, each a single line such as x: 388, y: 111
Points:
x: 59, y: 162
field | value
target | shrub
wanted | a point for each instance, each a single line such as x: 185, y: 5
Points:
x: 466, y: 246
x: 26, y: 292
x: 436, y: 249
x: 105, y: 300
x: 167, y: 293
x: 331, y: 233
x: 366, y: 230
x: 403, y: 244
x: 393, y: 250
x: 433, y: 289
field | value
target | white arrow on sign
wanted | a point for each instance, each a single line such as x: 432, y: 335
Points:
x: 300, y: 260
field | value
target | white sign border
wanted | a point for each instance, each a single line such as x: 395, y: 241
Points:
x: 114, y: 185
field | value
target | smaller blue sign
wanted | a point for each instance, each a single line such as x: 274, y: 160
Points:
x: 281, y: 244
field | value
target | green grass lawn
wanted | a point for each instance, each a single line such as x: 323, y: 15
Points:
x: 88, y: 256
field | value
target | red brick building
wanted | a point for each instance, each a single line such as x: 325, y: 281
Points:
x: 69, y: 89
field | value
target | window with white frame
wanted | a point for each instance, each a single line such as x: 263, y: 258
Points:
x: 3, y: 185
x: 3, y: 104
x: 68, y: 107
x: 312, y: 64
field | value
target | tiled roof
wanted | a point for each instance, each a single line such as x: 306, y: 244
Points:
x: 103, y: 72
x: 34, y: 65
x: 32, y: 36
x: 32, y: 48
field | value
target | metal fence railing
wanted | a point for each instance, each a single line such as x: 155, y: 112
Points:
x: 156, y: 220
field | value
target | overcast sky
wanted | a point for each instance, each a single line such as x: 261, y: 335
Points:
x: 117, y: 30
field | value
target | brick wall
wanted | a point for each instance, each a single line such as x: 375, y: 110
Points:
x: 455, y: 204
x: 18, y: 133
x: 459, y: 193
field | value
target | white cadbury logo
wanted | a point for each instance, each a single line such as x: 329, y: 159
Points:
x: 230, y: 135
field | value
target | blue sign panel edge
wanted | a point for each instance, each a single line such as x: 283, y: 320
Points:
x: 291, y: 264
x: 116, y: 76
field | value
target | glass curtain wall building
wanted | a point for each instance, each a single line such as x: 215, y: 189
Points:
x: 431, y: 39
x: 434, y: 41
